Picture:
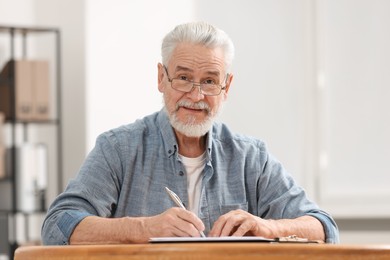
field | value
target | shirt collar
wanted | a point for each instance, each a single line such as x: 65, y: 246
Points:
x: 169, y: 138
x: 168, y: 135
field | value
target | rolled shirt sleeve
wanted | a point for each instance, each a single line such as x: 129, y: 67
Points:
x: 280, y: 197
x: 94, y: 192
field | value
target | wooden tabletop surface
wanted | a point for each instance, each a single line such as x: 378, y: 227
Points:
x: 204, y: 251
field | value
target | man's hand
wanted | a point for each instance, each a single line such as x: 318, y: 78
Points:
x: 174, y: 222
x: 240, y: 223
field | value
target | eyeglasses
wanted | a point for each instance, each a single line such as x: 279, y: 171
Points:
x: 184, y: 85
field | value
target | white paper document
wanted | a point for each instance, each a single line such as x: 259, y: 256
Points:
x: 209, y: 239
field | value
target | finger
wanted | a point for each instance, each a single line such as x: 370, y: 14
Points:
x: 171, y: 223
x: 218, y: 226
x: 228, y: 223
x: 242, y: 229
x: 181, y: 222
x: 231, y: 225
x: 193, y: 220
x: 184, y: 229
x: 168, y: 223
x: 188, y: 228
x: 176, y: 231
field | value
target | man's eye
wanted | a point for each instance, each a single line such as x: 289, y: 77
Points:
x: 209, y: 81
x: 182, y: 77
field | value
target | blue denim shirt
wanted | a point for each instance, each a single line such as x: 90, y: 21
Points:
x: 126, y: 172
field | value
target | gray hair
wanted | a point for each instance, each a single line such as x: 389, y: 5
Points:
x: 198, y: 33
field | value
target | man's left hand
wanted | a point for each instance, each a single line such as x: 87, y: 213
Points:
x: 241, y: 223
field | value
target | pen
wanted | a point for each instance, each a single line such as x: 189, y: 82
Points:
x: 178, y: 202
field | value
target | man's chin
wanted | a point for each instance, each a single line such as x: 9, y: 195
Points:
x: 190, y: 126
x: 192, y: 119
x: 192, y: 130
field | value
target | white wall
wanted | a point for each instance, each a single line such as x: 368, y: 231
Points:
x: 17, y: 12
x: 355, y: 64
x: 123, y: 49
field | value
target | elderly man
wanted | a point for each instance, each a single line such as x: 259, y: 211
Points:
x: 229, y: 183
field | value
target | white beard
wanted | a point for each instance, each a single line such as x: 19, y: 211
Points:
x: 190, y: 128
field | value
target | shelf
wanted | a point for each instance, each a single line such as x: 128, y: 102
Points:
x: 32, y: 122
x: 4, y: 82
x: 15, y: 191
x: 23, y: 30
x: 6, y: 179
x: 36, y: 212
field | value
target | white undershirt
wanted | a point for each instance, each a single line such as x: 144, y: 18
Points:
x: 194, y: 168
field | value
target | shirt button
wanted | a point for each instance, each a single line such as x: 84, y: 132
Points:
x: 169, y: 151
x: 181, y: 173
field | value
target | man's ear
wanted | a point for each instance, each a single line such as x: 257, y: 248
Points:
x: 160, y: 77
x: 228, y: 83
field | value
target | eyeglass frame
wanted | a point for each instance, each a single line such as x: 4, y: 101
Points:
x: 196, y: 84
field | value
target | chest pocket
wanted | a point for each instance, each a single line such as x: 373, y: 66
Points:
x: 223, y: 209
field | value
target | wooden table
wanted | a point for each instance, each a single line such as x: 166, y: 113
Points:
x: 204, y: 251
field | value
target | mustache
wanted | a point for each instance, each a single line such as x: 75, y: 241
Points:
x: 188, y: 104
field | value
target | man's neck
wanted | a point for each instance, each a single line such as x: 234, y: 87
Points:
x: 191, y: 146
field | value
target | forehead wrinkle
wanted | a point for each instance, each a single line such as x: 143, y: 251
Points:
x: 186, y: 69
x: 190, y: 58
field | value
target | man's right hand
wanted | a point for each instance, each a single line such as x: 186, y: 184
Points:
x: 174, y: 222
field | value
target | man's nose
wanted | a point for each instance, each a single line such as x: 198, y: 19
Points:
x: 196, y: 92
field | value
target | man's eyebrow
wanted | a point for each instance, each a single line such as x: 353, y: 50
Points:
x: 215, y: 73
